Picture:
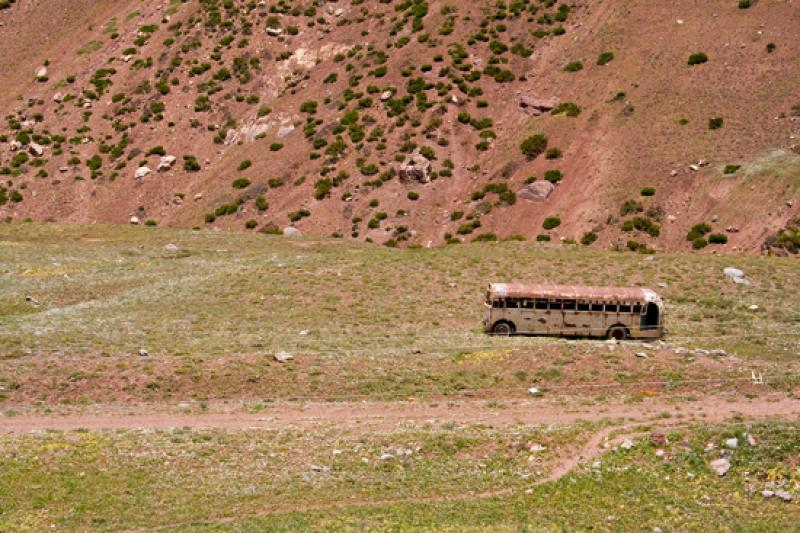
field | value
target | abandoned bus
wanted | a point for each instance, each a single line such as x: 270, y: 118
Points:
x: 616, y: 313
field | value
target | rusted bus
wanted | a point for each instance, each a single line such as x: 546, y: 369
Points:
x: 573, y: 310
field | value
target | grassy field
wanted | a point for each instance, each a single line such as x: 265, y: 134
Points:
x: 439, y: 478
x: 371, y: 323
x: 78, y: 302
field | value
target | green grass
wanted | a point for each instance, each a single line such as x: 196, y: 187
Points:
x: 122, y: 479
x: 108, y: 290
x: 455, y: 479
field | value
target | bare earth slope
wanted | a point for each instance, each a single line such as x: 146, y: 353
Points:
x: 305, y: 114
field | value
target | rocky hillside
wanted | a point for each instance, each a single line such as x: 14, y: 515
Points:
x: 640, y: 125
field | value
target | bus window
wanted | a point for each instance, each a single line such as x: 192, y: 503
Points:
x: 512, y: 303
x: 597, y: 307
x: 527, y: 304
x: 624, y: 308
x: 497, y: 304
x: 611, y: 308
x: 541, y: 304
x: 569, y: 305
x: 583, y: 307
x: 637, y: 308
x: 555, y: 306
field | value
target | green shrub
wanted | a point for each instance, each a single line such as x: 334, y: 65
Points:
x: 588, y: 238
x: 274, y: 147
x: 240, y: 183
x: 261, y: 203
x: 534, y: 146
x: 573, y: 66
x: 543, y: 238
x: 157, y: 150
x: 731, y: 169
x: 485, y: 237
x: 744, y: 4
x: 715, y: 123
x: 551, y: 222
x: 190, y: 163
x: 244, y: 165
x: 553, y: 175
x: 717, y: 238
x: 605, y: 58
x: 250, y: 224
x: 413, y: 196
x: 568, y: 108
x: 698, y: 230
x: 699, y: 243
x: 322, y: 188
x: 648, y: 191
x: 698, y: 58
x: 309, y: 106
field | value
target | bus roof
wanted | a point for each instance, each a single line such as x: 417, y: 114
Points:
x: 577, y: 292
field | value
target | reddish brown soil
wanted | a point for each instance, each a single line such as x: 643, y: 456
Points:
x: 608, y: 156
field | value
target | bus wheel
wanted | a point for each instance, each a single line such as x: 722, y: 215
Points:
x: 617, y: 333
x: 502, y: 328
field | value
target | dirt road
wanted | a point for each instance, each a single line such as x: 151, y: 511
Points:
x: 388, y: 415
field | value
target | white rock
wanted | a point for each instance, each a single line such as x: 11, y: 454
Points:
x: 166, y: 163
x: 387, y: 457
x: 283, y: 357
x: 783, y: 495
x: 596, y: 465
x: 143, y: 352
x: 732, y: 443
x: 36, y: 150
x: 659, y: 453
x: 141, y: 172
x: 641, y: 355
x: 171, y: 247
x: 58, y: 97
x: 627, y: 444
x: 754, y: 308
x: 285, y: 130
x: 292, y: 232
x: 134, y: 220
x: 533, y: 391
x: 386, y: 95
x: 720, y: 466
x: 274, y: 32
x: 767, y: 493
x: 537, y: 448
x: 41, y: 72
x: 15, y: 145
x: 733, y: 272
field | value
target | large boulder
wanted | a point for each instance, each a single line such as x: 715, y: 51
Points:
x: 166, y: 163
x: 292, y: 232
x: 141, y: 172
x: 538, y: 191
x: 36, y: 150
x: 537, y: 106
x: 416, y: 168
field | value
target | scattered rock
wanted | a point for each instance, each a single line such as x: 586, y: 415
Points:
x: 171, y: 247
x: 274, y: 32
x: 386, y: 457
x: 538, y: 191
x: 535, y: 448
x: 732, y: 229
x: 15, y: 145
x: 627, y: 444
x: 736, y: 275
x: 537, y: 106
x: 320, y: 468
x: 751, y: 440
x: 720, y: 466
x: 143, y: 352
x: 641, y: 355
x: 283, y: 357
x: 134, y: 220
x: 36, y: 150
x: 58, y: 97
x: 32, y: 300
x: 783, y: 495
x: 166, y: 163
x: 385, y: 96
x: 658, y: 438
x: 662, y: 285
x: 292, y: 232
x: 416, y: 168
x: 596, y: 465
x: 41, y: 73
x: 754, y: 308
x: 732, y: 443
x: 767, y: 493
x: 718, y: 352
x: 533, y: 391
x: 141, y: 172
x: 660, y: 453
x: 673, y: 173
